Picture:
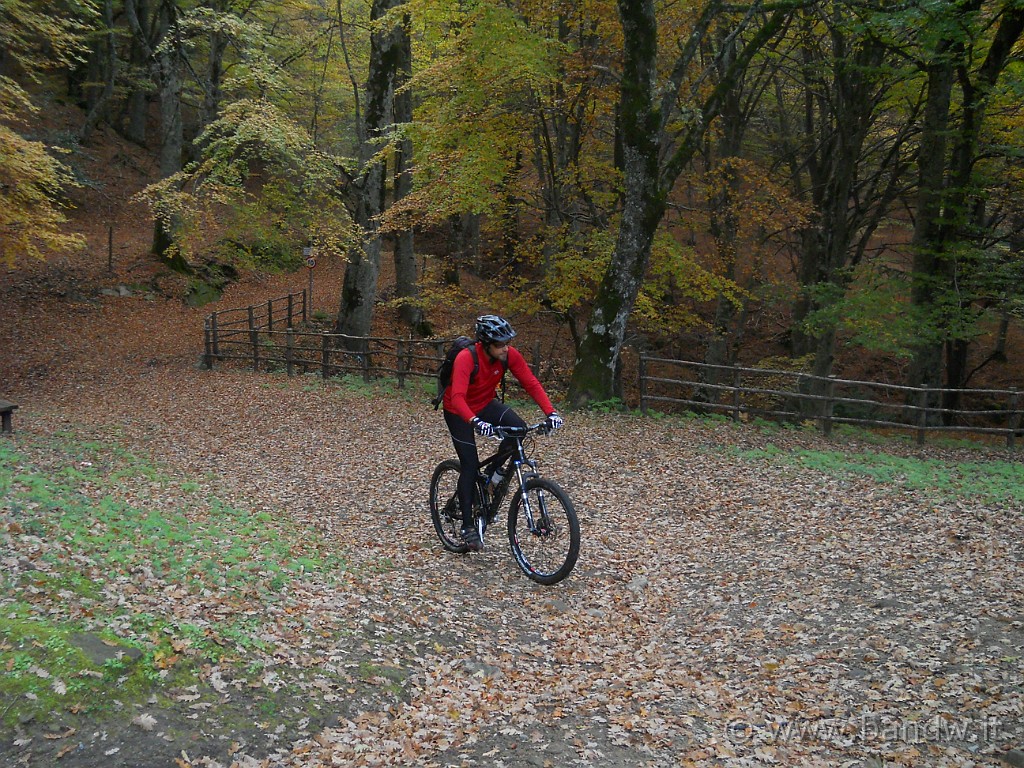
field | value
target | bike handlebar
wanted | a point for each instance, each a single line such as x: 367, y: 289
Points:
x: 500, y: 433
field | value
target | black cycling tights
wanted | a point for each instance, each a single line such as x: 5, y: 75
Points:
x: 495, y: 412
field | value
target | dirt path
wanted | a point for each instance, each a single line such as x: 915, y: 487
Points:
x: 725, y: 610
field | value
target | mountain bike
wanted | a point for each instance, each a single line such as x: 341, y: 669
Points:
x: 543, y: 530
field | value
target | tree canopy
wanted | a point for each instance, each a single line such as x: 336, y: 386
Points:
x: 668, y: 172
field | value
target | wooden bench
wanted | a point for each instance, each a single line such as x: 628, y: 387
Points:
x: 6, y: 409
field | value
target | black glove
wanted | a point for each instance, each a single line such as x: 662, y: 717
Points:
x: 554, y: 421
x: 483, y: 428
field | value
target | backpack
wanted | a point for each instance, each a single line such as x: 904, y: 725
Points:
x: 444, y: 372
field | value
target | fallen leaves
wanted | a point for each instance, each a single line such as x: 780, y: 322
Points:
x: 724, y: 610
x: 145, y: 721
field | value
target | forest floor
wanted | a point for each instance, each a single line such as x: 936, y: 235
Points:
x: 731, y: 605
x: 745, y: 595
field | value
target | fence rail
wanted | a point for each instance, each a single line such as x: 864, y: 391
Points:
x: 227, y: 327
x: 264, y: 336
x: 796, y: 396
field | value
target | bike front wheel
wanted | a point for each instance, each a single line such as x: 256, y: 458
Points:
x: 543, y: 531
x: 444, y: 505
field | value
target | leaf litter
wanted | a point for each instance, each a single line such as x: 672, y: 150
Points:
x: 726, y: 610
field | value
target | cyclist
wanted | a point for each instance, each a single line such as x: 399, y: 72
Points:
x: 470, y: 404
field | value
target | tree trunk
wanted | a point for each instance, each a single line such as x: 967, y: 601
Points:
x: 168, y: 77
x: 509, y: 221
x: 214, y: 79
x: 406, y: 285
x: 926, y: 366
x: 138, y: 97
x: 720, y: 349
x: 724, y: 226
x: 359, y: 290
x: 596, y: 372
x: 464, y: 242
x: 165, y: 64
x: 641, y: 136
x: 956, y: 372
x: 98, y: 109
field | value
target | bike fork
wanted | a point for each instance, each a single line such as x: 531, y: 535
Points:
x: 531, y: 520
x: 539, y: 524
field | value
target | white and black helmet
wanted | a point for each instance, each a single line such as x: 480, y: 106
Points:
x: 491, y: 329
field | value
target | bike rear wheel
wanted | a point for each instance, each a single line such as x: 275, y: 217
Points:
x: 444, y: 505
x: 545, y: 548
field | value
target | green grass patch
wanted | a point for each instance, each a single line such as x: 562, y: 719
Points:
x: 47, y: 670
x: 988, y: 481
x: 91, y: 527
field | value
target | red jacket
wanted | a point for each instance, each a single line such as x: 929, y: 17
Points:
x: 467, y: 398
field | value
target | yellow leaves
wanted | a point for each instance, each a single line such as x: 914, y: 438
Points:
x: 41, y: 41
x: 30, y: 179
x: 261, y: 184
x: 165, y: 661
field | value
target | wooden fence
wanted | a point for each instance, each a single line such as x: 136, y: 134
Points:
x: 793, y: 396
x: 224, y: 332
x: 264, y: 337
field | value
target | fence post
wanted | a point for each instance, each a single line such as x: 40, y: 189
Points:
x: 324, y: 355
x: 399, y: 363
x: 305, y: 303
x: 366, y: 363
x: 270, y: 314
x: 830, y: 393
x: 735, y: 392
x: 439, y: 349
x: 254, y: 339
x: 207, y: 346
x: 801, y: 407
x: 922, y: 414
x: 1015, y: 418
x: 215, y: 333
x: 643, y: 383
x: 289, y: 341
x: 291, y: 303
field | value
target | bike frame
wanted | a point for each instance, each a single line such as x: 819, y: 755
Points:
x: 518, y: 460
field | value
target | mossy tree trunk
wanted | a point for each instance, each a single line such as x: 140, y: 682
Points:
x: 650, y: 159
x: 406, y: 285
x: 389, y: 48
x: 951, y: 205
x: 161, y: 45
